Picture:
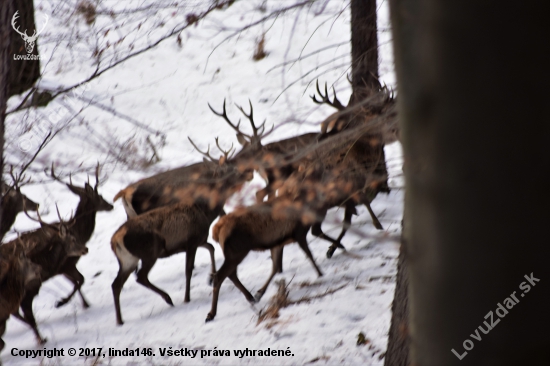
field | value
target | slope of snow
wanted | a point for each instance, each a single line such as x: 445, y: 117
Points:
x: 167, y: 89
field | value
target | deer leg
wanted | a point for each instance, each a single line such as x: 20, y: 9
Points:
x: 210, y: 248
x: 28, y: 316
x: 233, y: 277
x: 316, y: 230
x: 2, y: 330
x: 277, y: 261
x: 302, y: 242
x: 375, y: 221
x: 228, y: 267
x: 74, y: 275
x: 189, y: 266
x: 146, y: 266
x: 350, y: 210
x: 277, y: 257
x: 118, y: 283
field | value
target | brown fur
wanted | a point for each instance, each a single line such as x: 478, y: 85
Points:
x: 124, y: 193
x: 118, y: 237
x: 16, y: 271
x: 161, y: 233
x: 255, y: 228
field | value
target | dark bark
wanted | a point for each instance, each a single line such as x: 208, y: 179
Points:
x: 473, y: 92
x: 364, y: 79
x: 6, y: 9
x: 397, y: 353
x: 364, y: 50
x: 23, y: 73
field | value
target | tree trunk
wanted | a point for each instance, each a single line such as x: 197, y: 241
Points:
x: 364, y: 50
x: 397, y: 353
x: 473, y: 92
x: 23, y: 73
x: 364, y: 75
x: 6, y: 9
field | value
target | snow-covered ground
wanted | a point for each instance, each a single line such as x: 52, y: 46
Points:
x: 167, y: 89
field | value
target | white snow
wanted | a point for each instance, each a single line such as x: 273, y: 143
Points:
x: 167, y: 89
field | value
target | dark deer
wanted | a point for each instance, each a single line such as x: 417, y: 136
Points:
x: 82, y: 227
x: 268, y: 225
x: 16, y: 272
x: 149, y: 193
x: 363, y: 156
x: 269, y: 160
x: 165, y: 231
x: 49, y: 247
x: 13, y: 202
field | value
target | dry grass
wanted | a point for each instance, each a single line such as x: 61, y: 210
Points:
x: 280, y: 300
x: 259, y: 52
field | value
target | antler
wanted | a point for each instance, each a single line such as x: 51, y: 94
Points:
x: 325, y: 98
x: 257, y: 136
x: 226, y: 118
x: 227, y: 154
x: 258, y: 132
x: 39, y: 220
x: 207, y: 153
x: 15, y: 16
x: 55, y: 177
x: 18, y: 180
x: 96, y: 176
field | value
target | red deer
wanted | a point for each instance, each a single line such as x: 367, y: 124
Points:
x: 82, y: 227
x: 49, y: 247
x: 360, y: 157
x: 13, y: 202
x: 155, y: 191
x: 16, y: 271
x: 165, y: 231
x: 267, y: 225
x: 158, y: 190
x: 269, y: 160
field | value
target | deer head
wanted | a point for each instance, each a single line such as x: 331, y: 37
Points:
x: 88, y: 194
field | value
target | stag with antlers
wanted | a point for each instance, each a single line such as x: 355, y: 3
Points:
x: 175, y: 228
x: 49, y: 247
x: 14, y: 202
x: 82, y: 227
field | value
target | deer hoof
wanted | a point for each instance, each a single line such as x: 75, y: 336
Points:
x: 60, y: 303
x: 330, y: 252
x: 169, y: 300
x: 42, y: 340
x: 257, y: 297
x: 209, y: 318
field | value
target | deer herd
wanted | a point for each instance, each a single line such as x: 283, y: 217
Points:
x: 171, y: 212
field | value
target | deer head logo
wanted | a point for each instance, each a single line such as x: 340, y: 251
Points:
x: 29, y: 40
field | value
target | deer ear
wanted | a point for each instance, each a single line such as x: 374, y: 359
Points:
x: 88, y: 188
x: 62, y: 231
x: 76, y: 190
x: 241, y: 139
